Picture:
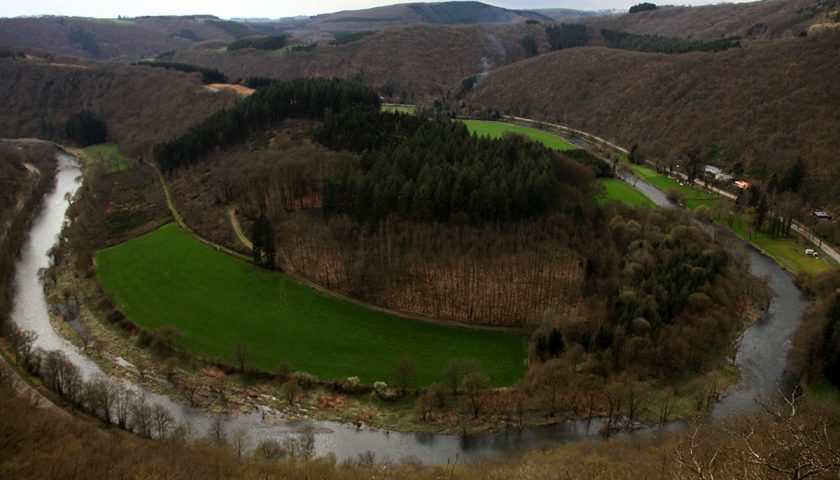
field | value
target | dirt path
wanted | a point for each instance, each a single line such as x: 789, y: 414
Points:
x: 237, y: 229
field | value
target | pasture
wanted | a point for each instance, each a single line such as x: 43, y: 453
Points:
x: 109, y: 156
x: 167, y: 277
x: 615, y: 189
x: 497, y: 129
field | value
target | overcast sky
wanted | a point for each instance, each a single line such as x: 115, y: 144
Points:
x: 262, y: 8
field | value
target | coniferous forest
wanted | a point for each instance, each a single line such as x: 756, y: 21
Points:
x: 433, y: 170
x: 301, y: 98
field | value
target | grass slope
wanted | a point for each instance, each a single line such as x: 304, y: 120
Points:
x: 618, y: 190
x: 694, y: 197
x: 167, y: 277
x: 110, y: 156
x: 786, y: 251
x: 497, y: 129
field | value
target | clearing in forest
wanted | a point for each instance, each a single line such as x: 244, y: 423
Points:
x: 497, y: 129
x: 110, y: 156
x: 167, y: 277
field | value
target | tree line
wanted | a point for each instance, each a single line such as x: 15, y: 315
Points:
x: 208, y: 75
x: 658, y: 43
x: 271, y: 42
x: 301, y: 98
x: 566, y: 35
x: 434, y: 170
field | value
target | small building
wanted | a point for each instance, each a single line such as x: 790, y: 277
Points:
x: 742, y: 184
x: 712, y: 170
x: 822, y: 215
x: 724, y: 177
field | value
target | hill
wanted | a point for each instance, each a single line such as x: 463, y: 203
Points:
x: 764, y: 19
x: 335, y: 25
x: 116, y: 38
x: 408, y: 64
x: 143, y: 37
x: 140, y: 105
x: 762, y: 106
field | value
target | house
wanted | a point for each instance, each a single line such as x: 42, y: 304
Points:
x: 822, y: 215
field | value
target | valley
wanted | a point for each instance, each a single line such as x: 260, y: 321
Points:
x: 423, y: 240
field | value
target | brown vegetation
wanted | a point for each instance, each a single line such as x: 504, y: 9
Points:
x: 765, y: 19
x: 109, y: 38
x: 770, y: 102
x: 799, y: 442
x: 408, y: 64
x: 140, y: 106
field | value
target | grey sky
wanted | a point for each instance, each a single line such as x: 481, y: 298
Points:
x: 262, y: 8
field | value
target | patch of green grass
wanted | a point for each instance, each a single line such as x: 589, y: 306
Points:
x: 393, y: 107
x: 280, y: 52
x: 616, y: 189
x: 168, y: 278
x: 110, y: 156
x: 694, y: 196
x: 497, y: 129
x: 786, y: 251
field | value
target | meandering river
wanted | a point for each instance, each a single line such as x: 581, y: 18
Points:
x: 761, y: 357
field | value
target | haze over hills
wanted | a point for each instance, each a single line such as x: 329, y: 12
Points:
x: 149, y: 36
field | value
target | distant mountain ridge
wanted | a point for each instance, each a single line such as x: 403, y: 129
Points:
x: 149, y: 36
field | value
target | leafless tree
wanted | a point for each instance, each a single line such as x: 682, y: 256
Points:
x: 216, y: 432
x: 239, y: 440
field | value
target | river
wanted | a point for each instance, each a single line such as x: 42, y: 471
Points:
x: 761, y: 357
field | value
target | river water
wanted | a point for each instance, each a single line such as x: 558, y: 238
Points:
x: 761, y: 357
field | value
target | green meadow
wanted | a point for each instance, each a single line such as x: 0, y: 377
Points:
x: 167, y: 277
x: 497, y: 129
x: 615, y: 189
x: 109, y: 156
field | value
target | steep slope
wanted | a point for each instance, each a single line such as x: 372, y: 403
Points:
x: 770, y: 102
x: 407, y: 64
x: 140, y: 105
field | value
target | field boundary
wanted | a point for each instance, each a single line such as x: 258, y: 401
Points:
x: 179, y: 220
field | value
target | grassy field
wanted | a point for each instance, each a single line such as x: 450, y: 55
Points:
x: 110, y: 156
x: 167, y: 277
x: 694, y: 196
x: 393, y: 107
x: 497, y: 129
x: 787, y: 252
x: 618, y: 190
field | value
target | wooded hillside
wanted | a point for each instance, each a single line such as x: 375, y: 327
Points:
x: 139, y: 105
x: 770, y: 101
x: 411, y: 64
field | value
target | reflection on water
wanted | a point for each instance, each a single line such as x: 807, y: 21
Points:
x: 761, y: 356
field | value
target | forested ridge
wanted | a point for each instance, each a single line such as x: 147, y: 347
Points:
x: 434, y: 170
x: 301, y: 98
